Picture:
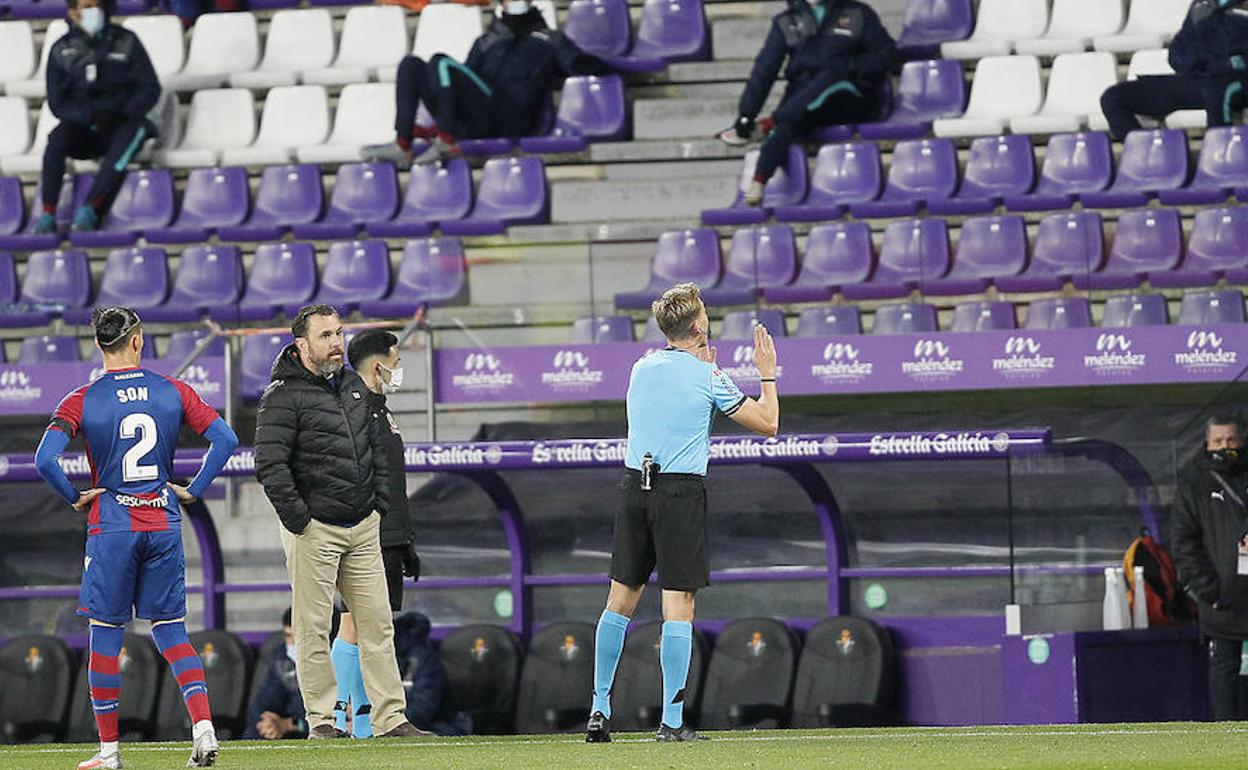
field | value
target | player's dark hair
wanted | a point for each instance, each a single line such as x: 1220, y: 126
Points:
x: 286, y: 618
x: 374, y: 342
x: 114, y: 326
x: 299, y: 326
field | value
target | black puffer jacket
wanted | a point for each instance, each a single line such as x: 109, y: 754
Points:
x: 319, y: 453
x: 1206, y: 527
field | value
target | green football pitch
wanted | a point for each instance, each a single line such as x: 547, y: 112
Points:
x: 1170, y: 745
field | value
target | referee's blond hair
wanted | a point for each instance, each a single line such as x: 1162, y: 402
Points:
x: 677, y: 309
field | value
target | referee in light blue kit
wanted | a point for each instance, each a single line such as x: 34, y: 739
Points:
x: 672, y: 398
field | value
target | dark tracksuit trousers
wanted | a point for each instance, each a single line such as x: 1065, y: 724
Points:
x: 457, y: 98
x: 1224, y: 686
x: 1159, y: 95
x: 823, y: 101
x: 115, y: 148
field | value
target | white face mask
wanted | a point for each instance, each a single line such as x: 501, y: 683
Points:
x: 516, y: 7
x: 396, y: 379
x: 290, y: 652
x: 92, y: 20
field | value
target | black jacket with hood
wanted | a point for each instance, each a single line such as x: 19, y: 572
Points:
x: 1206, y: 527
x: 396, y: 528
x: 319, y: 452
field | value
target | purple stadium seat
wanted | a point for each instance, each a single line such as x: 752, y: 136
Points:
x: 144, y: 201
x: 432, y: 273
x: 983, y: 315
x: 12, y: 207
x: 786, y: 188
x: 513, y: 191
x: 591, y: 109
x: 759, y: 258
x: 1221, y: 168
x: 1123, y: 310
x: 988, y: 248
x: 1058, y: 313
x: 837, y: 254
x: 1074, y: 164
x: 739, y: 324
x: 829, y: 321
x: 363, y: 193
x: 134, y: 277
x: 256, y: 361
x: 669, y: 31
x: 600, y: 27
x: 679, y: 256
x: 922, y: 170
x: 997, y: 166
x: 1214, y: 248
x: 13, y: 315
x: 1151, y: 160
x: 214, y: 197
x: 182, y: 343
x: 37, y: 9
x: 72, y: 195
x: 913, y: 252
x: 592, y: 329
x: 47, y: 349
x: 355, y: 272
x: 844, y: 174
x: 926, y: 91
x: 8, y: 279
x: 57, y: 278
x: 1065, y: 245
x: 928, y: 23
x: 905, y: 318
x: 288, y: 195
x: 438, y: 192
x: 1212, y: 307
x: 1147, y: 241
x: 209, y: 277
x: 282, y: 275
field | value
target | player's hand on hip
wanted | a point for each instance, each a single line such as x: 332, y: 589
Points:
x: 182, y: 493
x: 85, y: 498
x: 764, y: 351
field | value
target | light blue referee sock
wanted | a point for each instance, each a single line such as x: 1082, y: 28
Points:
x: 608, y: 644
x: 345, y: 658
x: 674, y: 654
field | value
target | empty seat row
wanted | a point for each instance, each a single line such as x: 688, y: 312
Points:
x: 210, y: 281
x: 58, y: 347
x: 291, y: 199
x: 915, y: 254
x: 925, y: 174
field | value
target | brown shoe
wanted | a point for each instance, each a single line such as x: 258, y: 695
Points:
x: 406, y: 730
x: 323, y: 732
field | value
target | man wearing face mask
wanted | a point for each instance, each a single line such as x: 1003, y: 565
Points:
x: 837, y: 53
x: 374, y: 355
x: 499, y: 91
x: 1208, y: 542
x: 276, y: 711
x: 322, y: 462
x: 101, y: 86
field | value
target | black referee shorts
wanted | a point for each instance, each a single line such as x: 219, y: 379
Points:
x: 664, y: 528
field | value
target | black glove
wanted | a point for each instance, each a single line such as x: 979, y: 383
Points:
x: 106, y: 122
x: 745, y: 127
x: 411, y: 561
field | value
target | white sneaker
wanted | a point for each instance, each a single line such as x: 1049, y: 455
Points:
x: 204, y: 751
x: 753, y: 194
x: 436, y: 152
x: 387, y: 152
x: 102, y: 762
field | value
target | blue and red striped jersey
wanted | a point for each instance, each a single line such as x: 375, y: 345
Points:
x: 130, y: 419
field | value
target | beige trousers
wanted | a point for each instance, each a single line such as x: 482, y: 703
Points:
x: 322, y: 558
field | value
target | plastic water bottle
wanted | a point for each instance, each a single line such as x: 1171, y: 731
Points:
x: 1111, y: 609
x: 1139, y: 601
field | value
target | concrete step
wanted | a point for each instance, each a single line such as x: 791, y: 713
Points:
x: 599, y: 201
x: 664, y: 150
x: 738, y: 38
x: 719, y: 169
x: 705, y: 72
x: 595, y: 233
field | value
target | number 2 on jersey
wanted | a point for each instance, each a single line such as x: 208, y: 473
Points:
x: 143, y: 426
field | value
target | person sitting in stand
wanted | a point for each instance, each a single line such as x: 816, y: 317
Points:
x: 276, y: 711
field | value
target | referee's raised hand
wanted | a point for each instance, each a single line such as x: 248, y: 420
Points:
x: 764, y: 352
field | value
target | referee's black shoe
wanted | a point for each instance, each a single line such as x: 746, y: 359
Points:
x: 677, y: 734
x: 596, y: 731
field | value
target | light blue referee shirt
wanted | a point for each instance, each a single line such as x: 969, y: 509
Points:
x: 672, y: 398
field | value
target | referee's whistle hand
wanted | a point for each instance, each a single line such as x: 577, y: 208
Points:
x: 764, y: 352
x: 85, y: 498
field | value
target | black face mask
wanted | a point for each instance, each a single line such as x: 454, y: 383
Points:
x: 1229, y: 461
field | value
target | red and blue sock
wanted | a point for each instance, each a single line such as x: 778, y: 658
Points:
x: 174, y: 645
x: 104, y: 678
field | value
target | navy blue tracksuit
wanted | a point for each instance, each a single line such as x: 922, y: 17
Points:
x: 279, y: 693
x: 1210, y: 60
x: 837, y: 54
x: 102, y: 89
x: 501, y: 89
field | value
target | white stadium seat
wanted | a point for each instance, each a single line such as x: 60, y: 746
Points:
x: 451, y: 29
x: 222, y: 44
x: 997, y: 25
x: 374, y: 39
x: 365, y: 116
x: 1156, y: 61
x: 18, y: 43
x: 14, y: 126
x: 1076, y: 83
x: 219, y: 119
x: 162, y: 37
x: 36, y: 87
x: 1150, y: 24
x: 32, y: 160
x: 294, y: 116
x: 1073, y: 25
x: 298, y: 40
x: 1005, y: 87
